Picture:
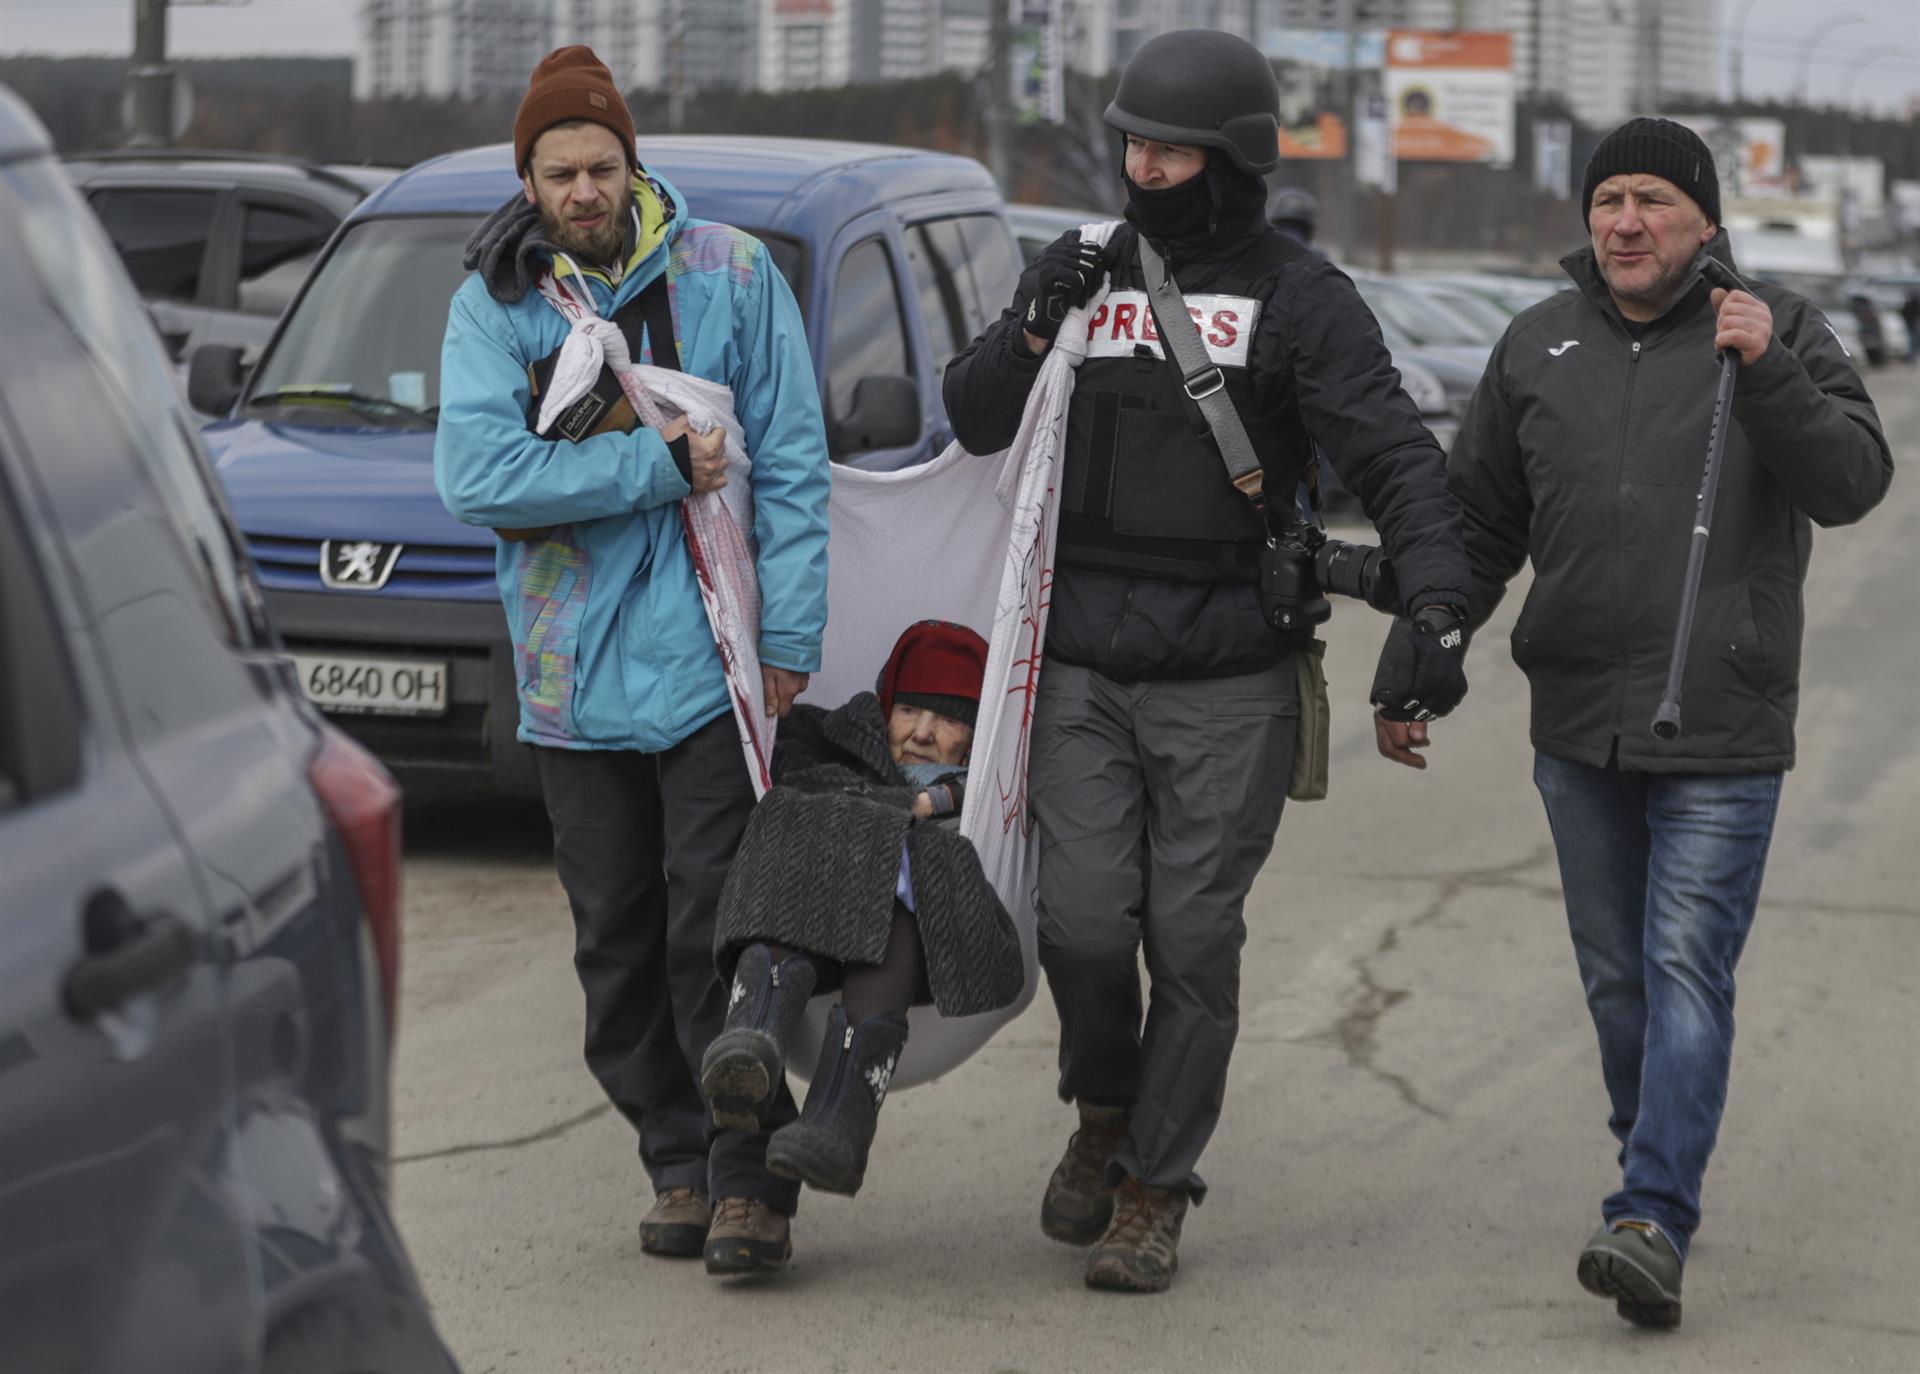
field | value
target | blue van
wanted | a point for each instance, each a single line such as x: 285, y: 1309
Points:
x: 897, y: 256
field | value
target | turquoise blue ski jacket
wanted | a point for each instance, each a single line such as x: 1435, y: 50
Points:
x: 612, y: 648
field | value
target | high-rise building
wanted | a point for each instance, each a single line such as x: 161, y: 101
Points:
x: 467, y: 48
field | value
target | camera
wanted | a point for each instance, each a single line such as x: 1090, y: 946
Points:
x: 1298, y: 567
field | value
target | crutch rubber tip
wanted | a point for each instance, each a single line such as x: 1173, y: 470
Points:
x: 1666, y: 721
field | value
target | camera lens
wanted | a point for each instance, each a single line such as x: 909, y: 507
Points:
x: 1360, y: 571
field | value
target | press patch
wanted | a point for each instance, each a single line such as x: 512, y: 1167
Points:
x: 1124, y: 322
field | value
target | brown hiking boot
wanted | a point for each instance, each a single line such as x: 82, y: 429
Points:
x: 1140, y: 1250
x: 747, y: 1237
x: 1078, y: 1203
x: 677, y: 1225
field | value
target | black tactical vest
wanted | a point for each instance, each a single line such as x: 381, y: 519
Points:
x: 1143, y: 490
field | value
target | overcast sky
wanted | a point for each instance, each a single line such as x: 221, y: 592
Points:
x: 1870, y: 60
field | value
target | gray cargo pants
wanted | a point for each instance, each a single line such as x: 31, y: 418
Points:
x: 1156, y: 804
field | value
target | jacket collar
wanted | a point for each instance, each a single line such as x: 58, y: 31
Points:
x: 510, y: 251
x: 859, y: 729
x: 1584, y: 268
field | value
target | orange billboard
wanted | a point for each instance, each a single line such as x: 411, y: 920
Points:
x: 1450, y: 96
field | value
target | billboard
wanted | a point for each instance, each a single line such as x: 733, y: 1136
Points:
x: 1450, y: 96
x: 1037, y: 65
x: 1311, y: 66
x: 1749, y: 154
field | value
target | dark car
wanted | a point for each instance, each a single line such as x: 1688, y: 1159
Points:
x: 218, y: 243
x: 898, y: 258
x: 199, y: 884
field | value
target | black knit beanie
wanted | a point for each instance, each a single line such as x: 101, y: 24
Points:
x: 1655, y: 147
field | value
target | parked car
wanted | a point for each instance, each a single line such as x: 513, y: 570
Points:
x: 218, y: 243
x: 1511, y: 294
x: 198, y: 879
x: 1423, y: 321
x: 1036, y: 226
x: 898, y: 258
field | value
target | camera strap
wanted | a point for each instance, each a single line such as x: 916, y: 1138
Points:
x: 1206, y: 386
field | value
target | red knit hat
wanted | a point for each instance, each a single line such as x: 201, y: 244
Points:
x: 571, y: 83
x: 936, y: 665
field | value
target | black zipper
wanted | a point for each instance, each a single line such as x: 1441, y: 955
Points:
x: 1613, y: 562
x: 764, y: 1003
x: 838, y: 1082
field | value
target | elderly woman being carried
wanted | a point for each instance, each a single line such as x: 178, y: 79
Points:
x: 853, y: 875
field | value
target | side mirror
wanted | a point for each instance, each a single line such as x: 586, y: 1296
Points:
x: 213, y: 378
x: 885, y: 414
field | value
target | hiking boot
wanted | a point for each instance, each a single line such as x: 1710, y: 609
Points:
x: 677, y: 1225
x: 1141, y: 1248
x: 827, y: 1147
x: 1635, y: 1265
x: 1078, y: 1203
x: 746, y: 1063
x: 748, y: 1237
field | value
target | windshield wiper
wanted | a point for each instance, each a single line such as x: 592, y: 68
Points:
x: 358, y: 400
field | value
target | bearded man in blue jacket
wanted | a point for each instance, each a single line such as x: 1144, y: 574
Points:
x: 622, y: 693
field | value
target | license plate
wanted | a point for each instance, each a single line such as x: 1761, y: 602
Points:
x: 374, y: 686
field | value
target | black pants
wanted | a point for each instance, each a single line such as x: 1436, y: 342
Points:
x: 1157, y: 805
x: 642, y: 843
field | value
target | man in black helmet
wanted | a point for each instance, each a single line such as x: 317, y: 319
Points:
x: 1295, y: 213
x: 1164, y: 731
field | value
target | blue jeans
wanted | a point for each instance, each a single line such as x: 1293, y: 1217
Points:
x: 1662, y: 874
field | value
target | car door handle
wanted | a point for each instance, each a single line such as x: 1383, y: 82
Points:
x: 153, y: 955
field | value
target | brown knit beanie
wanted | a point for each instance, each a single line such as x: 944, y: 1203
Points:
x: 570, y: 83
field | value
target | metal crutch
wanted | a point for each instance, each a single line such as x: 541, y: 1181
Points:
x: 1666, y: 720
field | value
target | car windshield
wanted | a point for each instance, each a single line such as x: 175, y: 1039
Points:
x: 1426, y: 323
x: 364, y: 340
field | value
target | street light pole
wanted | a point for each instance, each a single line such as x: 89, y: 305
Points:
x: 1814, y: 41
x: 150, y: 79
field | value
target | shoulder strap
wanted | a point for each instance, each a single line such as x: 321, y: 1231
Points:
x: 653, y: 309
x: 1202, y: 379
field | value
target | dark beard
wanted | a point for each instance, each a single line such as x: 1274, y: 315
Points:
x: 605, y: 245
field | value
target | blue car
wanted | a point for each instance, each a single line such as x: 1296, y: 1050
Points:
x: 199, y: 884
x: 898, y: 258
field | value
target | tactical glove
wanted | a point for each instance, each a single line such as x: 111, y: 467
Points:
x: 1422, y: 672
x: 1066, y: 274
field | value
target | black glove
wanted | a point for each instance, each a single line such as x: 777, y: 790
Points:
x: 1422, y: 672
x: 1066, y: 274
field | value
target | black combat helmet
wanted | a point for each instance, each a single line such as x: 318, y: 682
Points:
x: 1204, y: 88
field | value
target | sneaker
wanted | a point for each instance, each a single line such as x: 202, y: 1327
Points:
x: 748, y: 1237
x: 1141, y: 1247
x: 1078, y: 1204
x: 677, y: 1225
x: 1635, y: 1265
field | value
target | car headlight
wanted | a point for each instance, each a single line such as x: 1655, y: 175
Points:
x: 1423, y: 389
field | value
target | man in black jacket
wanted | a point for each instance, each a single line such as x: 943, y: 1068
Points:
x: 1582, y: 450
x: 1164, y: 729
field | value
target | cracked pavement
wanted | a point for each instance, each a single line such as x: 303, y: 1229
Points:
x: 1415, y: 1138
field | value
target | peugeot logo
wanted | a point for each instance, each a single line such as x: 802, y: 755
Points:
x: 356, y: 565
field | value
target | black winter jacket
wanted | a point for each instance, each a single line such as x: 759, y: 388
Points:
x: 1316, y: 347
x: 817, y: 866
x: 1582, y: 450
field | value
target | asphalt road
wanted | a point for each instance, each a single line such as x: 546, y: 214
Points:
x: 1415, y: 1140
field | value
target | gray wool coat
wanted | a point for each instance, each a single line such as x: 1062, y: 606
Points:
x: 817, y: 867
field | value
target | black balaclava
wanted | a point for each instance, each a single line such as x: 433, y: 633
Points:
x: 1173, y: 212
x: 1222, y: 200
